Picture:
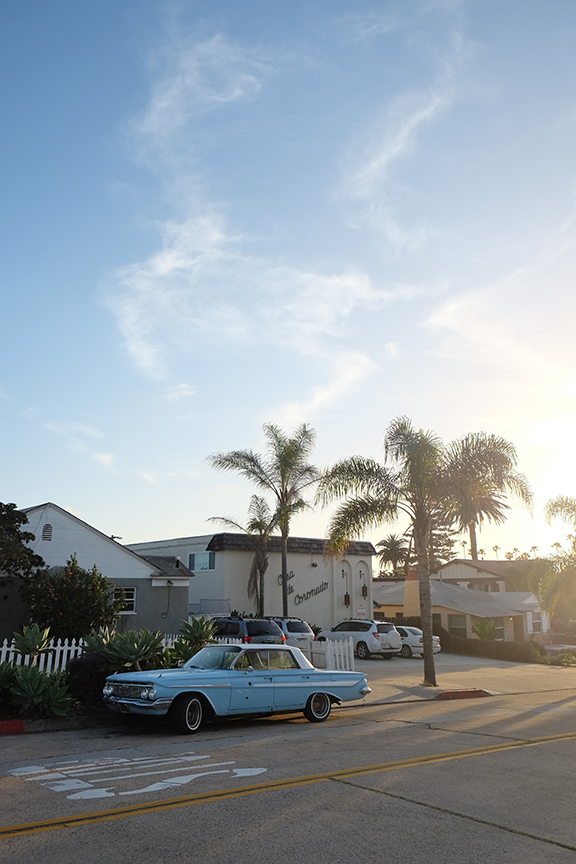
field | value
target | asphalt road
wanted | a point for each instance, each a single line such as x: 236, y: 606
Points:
x: 411, y: 781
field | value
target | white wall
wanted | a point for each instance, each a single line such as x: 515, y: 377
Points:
x: 91, y: 547
x: 316, y: 593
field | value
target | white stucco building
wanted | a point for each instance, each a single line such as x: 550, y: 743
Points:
x: 321, y: 590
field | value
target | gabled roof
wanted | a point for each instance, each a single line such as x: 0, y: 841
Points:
x: 169, y: 565
x: 492, y: 568
x: 482, y: 604
x: 87, y: 526
x: 243, y: 542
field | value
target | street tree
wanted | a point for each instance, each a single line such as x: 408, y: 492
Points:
x: 409, y: 482
x: 17, y: 558
x: 259, y: 526
x: 284, y: 472
x: 481, y: 473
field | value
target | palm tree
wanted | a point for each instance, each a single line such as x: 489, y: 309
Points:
x: 481, y: 471
x: 261, y: 522
x: 408, y: 482
x: 562, y: 507
x: 394, y: 549
x: 284, y: 472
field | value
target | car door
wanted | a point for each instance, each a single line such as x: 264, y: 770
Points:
x: 291, y: 683
x: 251, y: 683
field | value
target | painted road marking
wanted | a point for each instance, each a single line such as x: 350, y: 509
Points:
x: 81, y: 779
x: 270, y: 786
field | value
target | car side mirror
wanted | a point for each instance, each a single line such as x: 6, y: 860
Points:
x: 250, y: 669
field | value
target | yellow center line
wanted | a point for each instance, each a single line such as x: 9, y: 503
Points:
x: 270, y: 786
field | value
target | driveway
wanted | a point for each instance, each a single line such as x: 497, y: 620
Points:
x: 400, y: 679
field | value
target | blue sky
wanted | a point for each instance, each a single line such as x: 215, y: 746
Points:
x: 218, y: 214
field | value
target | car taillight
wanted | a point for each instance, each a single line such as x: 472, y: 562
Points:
x: 246, y: 638
x: 283, y: 638
x: 375, y: 634
x: 421, y: 639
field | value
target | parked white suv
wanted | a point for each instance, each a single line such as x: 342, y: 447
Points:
x: 369, y: 637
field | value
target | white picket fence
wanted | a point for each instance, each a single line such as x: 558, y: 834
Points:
x: 61, y: 652
x: 323, y: 655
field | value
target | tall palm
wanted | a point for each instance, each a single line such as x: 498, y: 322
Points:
x: 408, y: 482
x: 284, y: 471
x: 480, y: 472
x: 259, y: 526
x: 393, y: 550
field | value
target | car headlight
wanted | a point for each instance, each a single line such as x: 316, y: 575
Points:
x: 108, y: 690
x: 148, y: 693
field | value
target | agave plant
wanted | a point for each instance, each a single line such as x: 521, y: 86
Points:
x: 196, y: 633
x: 32, y: 642
x: 132, y: 648
x: 97, y: 640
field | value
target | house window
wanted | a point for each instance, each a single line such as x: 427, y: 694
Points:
x: 202, y: 561
x: 129, y: 597
x: 499, y: 628
x: 457, y: 625
x: 47, y: 531
x: 537, y: 622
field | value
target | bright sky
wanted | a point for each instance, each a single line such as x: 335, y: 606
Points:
x: 217, y: 214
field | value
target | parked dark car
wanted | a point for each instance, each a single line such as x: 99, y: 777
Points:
x: 260, y: 630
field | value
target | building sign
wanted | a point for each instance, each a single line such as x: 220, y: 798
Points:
x: 361, y: 612
x: 301, y: 598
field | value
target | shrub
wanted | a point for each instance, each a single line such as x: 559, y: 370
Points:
x: 86, y: 677
x: 72, y: 601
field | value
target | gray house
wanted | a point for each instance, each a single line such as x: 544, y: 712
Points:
x: 155, y: 588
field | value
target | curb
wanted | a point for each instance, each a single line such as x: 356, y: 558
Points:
x: 461, y: 694
x: 64, y: 724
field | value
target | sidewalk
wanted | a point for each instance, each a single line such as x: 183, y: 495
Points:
x: 400, y: 680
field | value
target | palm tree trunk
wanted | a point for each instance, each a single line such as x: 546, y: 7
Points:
x: 263, y: 568
x: 284, y: 572
x: 473, y: 543
x: 421, y: 550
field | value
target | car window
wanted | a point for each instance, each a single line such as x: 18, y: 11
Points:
x: 385, y: 628
x: 255, y: 659
x: 297, y: 627
x: 227, y: 628
x: 363, y: 625
x: 345, y: 627
x: 401, y: 631
x: 262, y: 628
x: 282, y: 660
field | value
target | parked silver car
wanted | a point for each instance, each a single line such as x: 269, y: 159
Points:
x: 296, y: 631
x: 369, y: 637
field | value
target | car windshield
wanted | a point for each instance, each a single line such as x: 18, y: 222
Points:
x: 213, y: 657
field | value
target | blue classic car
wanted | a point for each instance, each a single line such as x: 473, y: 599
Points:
x: 223, y: 680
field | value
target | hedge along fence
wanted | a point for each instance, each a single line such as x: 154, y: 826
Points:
x: 515, y: 652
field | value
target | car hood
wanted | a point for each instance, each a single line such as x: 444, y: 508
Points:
x: 157, y: 674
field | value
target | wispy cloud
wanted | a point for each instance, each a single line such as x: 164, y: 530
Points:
x: 349, y: 370
x: 193, y: 78
x: 74, y: 432
x: 179, y: 391
x: 371, y: 191
x: 79, y: 437
x: 199, y: 287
